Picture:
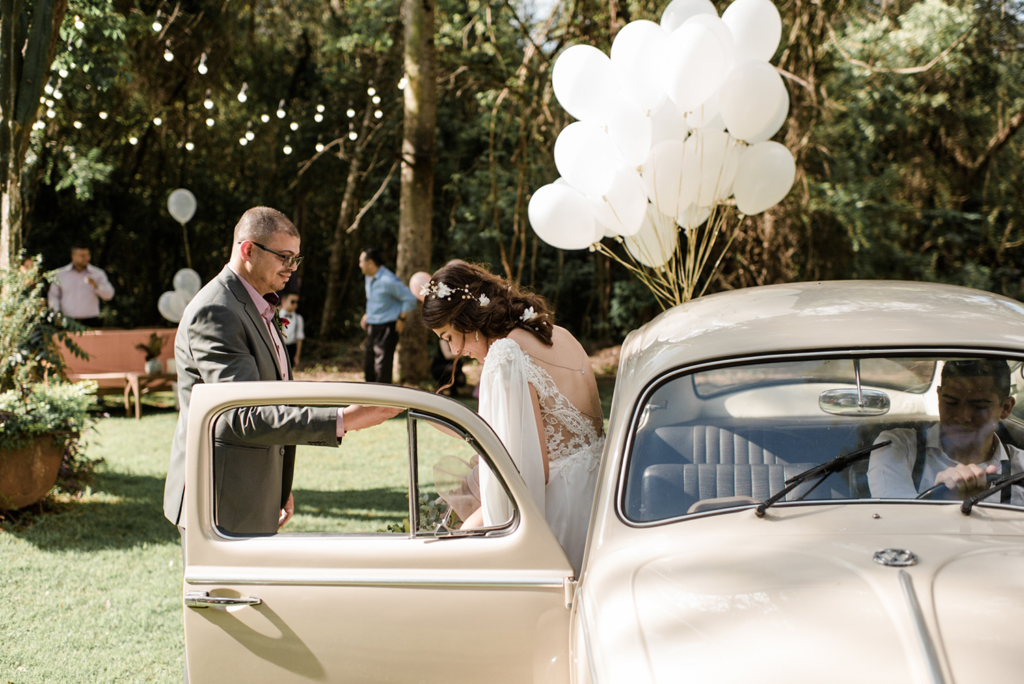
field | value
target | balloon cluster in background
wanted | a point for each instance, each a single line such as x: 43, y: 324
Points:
x: 675, y: 122
x: 171, y: 304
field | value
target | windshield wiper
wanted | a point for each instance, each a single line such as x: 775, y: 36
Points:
x: 997, y: 485
x: 822, y: 471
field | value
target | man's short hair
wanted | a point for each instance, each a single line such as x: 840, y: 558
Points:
x: 79, y: 244
x: 260, y: 223
x: 997, y: 369
x: 373, y: 254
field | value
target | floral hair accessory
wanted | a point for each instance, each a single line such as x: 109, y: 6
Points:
x: 428, y: 288
x: 528, y: 315
x: 484, y: 300
x: 443, y: 291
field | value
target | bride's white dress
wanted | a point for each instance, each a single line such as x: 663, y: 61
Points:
x: 574, y: 445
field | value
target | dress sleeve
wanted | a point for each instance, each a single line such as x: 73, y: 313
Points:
x: 506, y: 405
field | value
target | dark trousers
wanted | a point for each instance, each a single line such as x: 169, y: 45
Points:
x: 381, y: 341
x: 94, y: 322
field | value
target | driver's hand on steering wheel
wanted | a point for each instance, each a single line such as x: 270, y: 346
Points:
x: 966, y: 478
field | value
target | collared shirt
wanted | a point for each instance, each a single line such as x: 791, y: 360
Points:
x: 266, y: 311
x: 294, y: 331
x: 890, y: 470
x: 387, y: 297
x: 76, y: 298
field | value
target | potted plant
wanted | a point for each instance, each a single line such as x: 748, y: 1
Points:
x: 41, y: 414
x: 152, y: 350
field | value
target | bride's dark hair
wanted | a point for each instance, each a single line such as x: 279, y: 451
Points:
x: 505, y: 304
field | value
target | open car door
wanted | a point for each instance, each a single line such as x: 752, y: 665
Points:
x: 371, y: 581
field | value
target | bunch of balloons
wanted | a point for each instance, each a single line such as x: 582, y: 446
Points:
x: 172, y: 303
x: 677, y: 120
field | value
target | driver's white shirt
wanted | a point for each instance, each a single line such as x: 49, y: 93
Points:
x: 890, y: 470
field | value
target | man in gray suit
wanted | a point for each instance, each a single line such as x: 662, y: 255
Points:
x: 228, y: 334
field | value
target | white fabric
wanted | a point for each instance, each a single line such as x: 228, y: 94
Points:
x: 573, y: 442
x: 890, y: 470
x: 76, y: 298
x: 295, y: 330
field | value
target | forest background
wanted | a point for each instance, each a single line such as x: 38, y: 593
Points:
x: 904, y: 124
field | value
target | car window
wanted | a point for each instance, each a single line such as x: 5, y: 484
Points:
x: 736, y: 434
x: 362, y: 486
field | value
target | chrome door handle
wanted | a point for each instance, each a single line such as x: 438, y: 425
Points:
x: 202, y: 599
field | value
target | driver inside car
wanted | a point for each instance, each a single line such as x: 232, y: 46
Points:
x: 963, y: 451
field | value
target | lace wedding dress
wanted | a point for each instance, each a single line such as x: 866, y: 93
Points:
x: 574, y: 443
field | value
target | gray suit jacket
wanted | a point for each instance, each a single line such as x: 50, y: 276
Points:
x: 221, y: 338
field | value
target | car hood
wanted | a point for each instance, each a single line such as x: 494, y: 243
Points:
x: 812, y: 608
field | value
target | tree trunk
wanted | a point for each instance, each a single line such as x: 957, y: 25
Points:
x: 27, y: 44
x: 417, y: 196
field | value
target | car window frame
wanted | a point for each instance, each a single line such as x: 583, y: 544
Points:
x: 635, y: 413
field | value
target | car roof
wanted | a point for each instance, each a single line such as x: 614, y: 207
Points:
x: 839, y: 315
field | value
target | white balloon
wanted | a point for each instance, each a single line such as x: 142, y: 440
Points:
x: 708, y: 115
x: 639, y: 53
x: 586, y: 157
x: 182, y: 205
x: 696, y: 65
x: 562, y: 217
x: 716, y: 158
x: 757, y: 28
x: 765, y: 177
x: 667, y: 184
x: 776, y: 124
x: 171, y: 305
x: 724, y: 35
x: 580, y: 79
x: 657, y: 240
x: 187, y: 283
x: 630, y: 130
x: 622, y: 209
x: 750, y: 99
x: 667, y: 123
x: 678, y: 11
x: 693, y: 216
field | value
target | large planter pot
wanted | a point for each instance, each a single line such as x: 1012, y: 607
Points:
x: 27, y: 474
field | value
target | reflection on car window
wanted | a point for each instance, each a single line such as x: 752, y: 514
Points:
x: 362, y: 486
x: 734, y: 435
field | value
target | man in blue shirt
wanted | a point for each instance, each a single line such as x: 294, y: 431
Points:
x: 388, y: 300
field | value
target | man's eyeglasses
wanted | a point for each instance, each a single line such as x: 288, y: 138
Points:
x: 287, y: 260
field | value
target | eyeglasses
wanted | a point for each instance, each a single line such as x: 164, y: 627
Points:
x: 286, y: 259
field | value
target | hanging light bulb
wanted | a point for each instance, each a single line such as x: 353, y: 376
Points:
x: 242, y: 97
x: 77, y: 124
x: 249, y: 135
x: 378, y: 114
x: 264, y: 118
x: 63, y: 73
x: 49, y: 103
x: 320, y: 108
x: 209, y: 123
x: 57, y: 95
x: 371, y: 91
x: 403, y: 83
x: 350, y: 113
x: 376, y: 99
x: 157, y: 121
x: 353, y: 135
x: 280, y: 109
x: 208, y: 103
x: 294, y: 126
x: 202, y: 69
x: 157, y: 26
x: 133, y: 140
x: 189, y: 146
x: 287, y: 149
x: 48, y: 88
x: 42, y: 100
x: 168, y: 56
x: 50, y: 113
x: 243, y: 142
x: 103, y: 115
x: 79, y: 24
x: 318, y: 117
x: 319, y: 147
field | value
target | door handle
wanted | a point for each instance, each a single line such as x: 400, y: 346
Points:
x: 202, y: 599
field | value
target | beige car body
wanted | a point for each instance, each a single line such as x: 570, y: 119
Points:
x: 722, y: 596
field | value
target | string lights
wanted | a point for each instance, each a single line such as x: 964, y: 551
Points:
x: 280, y: 110
x: 190, y: 146
x: 79, y: 24
x: 242, y: 97
x: 157, y: 26
x: 157, y: 121
x: 103, y: 115
x: 294, y: 126
x: 208, y: 103
x: 202, y: 68
x: 264, y: 118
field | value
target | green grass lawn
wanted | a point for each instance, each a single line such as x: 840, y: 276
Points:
x: 93, y: 593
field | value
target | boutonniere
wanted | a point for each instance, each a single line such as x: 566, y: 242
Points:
x: 281, y: 323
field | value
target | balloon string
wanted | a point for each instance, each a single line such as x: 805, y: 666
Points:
x: 188, y: 256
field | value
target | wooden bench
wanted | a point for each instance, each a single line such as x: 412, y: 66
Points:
x: 117, y: 366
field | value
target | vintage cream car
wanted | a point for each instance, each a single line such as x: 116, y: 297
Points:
x: 713, y: 554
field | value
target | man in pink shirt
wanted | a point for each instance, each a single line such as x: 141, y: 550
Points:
x: 78, y: 288
x: 227, y: 334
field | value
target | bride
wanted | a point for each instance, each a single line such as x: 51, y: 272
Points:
x: 537, y: 391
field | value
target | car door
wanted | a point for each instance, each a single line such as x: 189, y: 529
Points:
x: 350, y: 595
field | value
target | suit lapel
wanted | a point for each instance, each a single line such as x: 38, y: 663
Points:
x: 237, y: 288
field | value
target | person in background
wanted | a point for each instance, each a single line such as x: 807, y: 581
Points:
x: 78, y: 288
x: 388, y: 300
x: 294, y: 328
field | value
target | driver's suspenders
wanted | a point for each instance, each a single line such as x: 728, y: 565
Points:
x: 1004, y: 437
